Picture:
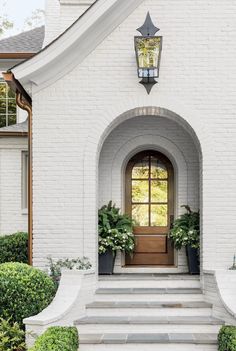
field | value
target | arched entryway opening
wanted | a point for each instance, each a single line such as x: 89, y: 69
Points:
x: 163, y: 135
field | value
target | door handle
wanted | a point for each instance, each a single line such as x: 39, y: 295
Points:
x: 171, y: 221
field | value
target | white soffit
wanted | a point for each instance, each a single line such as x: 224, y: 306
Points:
x: 74, y: 45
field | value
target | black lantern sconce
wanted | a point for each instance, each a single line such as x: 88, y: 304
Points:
x: 148, y: 53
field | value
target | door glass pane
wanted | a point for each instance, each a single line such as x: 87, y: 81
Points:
x: 158, y: 169
x: 140, y: 214
x: 159, y: 215
x: 140, y: 191
x: 141, y: 169
x: 159, y: 191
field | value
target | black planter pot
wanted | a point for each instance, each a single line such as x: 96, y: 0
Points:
x: 106, y: 263
x: 193, y: 260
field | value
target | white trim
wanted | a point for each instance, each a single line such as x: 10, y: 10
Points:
x: 74, y: 45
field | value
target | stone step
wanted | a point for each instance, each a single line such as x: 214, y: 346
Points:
x: 149, y: 347
x: 148, y: 294
x: 148, y: 291
x: 144, y: 308
x: 150, y: 280
x: 174, y: 324
x: 155, y: 339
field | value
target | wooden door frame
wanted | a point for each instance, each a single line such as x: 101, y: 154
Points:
x: 171, y: 189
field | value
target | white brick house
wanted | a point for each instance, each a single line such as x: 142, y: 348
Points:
x: 91, y: 117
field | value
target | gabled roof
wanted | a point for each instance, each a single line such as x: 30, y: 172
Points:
x: 75, y: 44
x: 19, y: 129
x: 26, y: 42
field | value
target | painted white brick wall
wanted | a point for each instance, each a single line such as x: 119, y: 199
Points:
x: 60, y: 14
x: 12, y: 218
x: 197, y: 82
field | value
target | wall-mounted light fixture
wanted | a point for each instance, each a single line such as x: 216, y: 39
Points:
x: 148, y: 53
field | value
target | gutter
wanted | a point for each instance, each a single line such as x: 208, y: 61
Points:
x: 24, y: 101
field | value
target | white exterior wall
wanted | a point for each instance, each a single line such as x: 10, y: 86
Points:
x: 197, y: 82
x: 60, y: 14
x: 12, y: 216
x: 143, y: 133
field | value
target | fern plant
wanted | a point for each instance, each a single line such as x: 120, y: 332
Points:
x: 115, y: 230
x: 186, y: 230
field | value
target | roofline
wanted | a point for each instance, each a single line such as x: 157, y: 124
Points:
x: 17, y: 55
x: 88, y: 31
x: 13, y: 134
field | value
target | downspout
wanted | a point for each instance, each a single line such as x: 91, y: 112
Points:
x: 24, y: 101
x: 28, y: 108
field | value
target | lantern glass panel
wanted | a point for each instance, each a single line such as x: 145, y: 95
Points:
x: 148, y: 50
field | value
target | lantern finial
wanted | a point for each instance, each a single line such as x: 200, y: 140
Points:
x: 148, y: 28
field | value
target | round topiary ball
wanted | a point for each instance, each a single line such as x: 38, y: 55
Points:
x: 24, y: 291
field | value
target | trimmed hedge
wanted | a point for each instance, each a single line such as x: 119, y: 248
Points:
x: 57, y: 339
x: 14, y: 248
x: 227, y: 338
x: 25, y: 291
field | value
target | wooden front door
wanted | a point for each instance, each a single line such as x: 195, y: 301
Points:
x: 149, y: 200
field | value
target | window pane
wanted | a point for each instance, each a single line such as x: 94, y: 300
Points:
x: 140, y: 191
x: 11, y: 106
x: 159, y: 215
x: 141, y: 169
x: 140, y: 215
x: 2, y: 121
x: 2, y: 90
x: 3, y: 105
x: 11, y: 119
x: 158, y: 169
x: 159, y: 191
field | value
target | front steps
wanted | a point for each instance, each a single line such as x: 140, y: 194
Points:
x: 149, y: 312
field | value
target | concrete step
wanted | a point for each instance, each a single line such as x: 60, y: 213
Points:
x: 149, y: 280
x: 150, y: 308
x: 148, y: 294
x: 149, y: 341
x: 149, y: 347
x: 174, y: 324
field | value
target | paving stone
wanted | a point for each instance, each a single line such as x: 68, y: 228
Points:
x: 90, y: 338
x: 181, y: 338
x: 203, y: 338
x: 148, y: 338
x: 114, y: 338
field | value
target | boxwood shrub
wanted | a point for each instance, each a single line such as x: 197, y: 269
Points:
x: 25, y: 291
x: 12, y: 337
x: 227, y: 338
x: 57, y: 339
x: 14, y: 248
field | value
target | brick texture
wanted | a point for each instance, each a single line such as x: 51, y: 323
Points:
x: 196, y: 90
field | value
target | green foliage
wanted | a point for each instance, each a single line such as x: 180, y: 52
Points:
x: 115, y: 230
x: 186, y: 230
x: 14, y: 248
x: 227, y: 338
x: 12, y: 337
x: 57, y: 339
x: 56, y: 267
x: 25, y: 291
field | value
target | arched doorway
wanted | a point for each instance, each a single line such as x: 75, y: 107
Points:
x: 149, y: 200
